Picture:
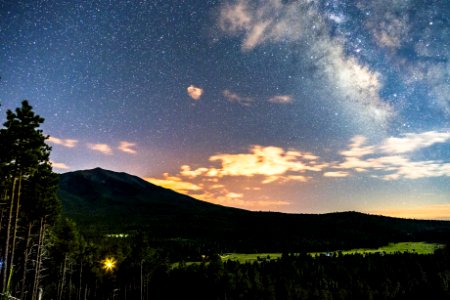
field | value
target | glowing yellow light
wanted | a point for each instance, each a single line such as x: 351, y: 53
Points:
x: 109, y: 264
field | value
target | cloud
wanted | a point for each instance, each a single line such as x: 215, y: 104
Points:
x: 410, y: 142
x: 174, y: 183
x: 102, y: 148
x: 127, y: 147
x: 389, y: 160
x: 281, y: 99
x: 226, y: 198
x: 270, y: 162
x: 338, y: 174
x: 60, y: 166
x: 69, y: 143
x: 357, y: 149
x: 194, y: 92
x: 262, y: 21
x: 187, y: 172
x: 216, y: 193
x: 233, y: 97
x: 246, y: 173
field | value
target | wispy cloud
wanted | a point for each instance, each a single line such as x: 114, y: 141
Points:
x: 410, y: 142
x: 250, y: 172
x: 194, y: 92
x: 69, y: 143
x: 102, y: 148
x: 60, y: 166
x: 233, y: 97
x: 265, y: 21
x: 390, y: 159
x: 281, y: 99
x: 338, y: 174
x: 127, y: 147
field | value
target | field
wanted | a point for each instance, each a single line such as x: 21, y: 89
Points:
x: 411, y: 247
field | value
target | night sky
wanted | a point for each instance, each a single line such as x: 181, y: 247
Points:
x: 295, y: 106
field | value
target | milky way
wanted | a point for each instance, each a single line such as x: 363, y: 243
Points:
x: 296, y: 106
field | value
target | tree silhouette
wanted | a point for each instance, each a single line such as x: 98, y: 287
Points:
x: 25, y: 171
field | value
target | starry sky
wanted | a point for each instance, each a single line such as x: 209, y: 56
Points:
x: 295, y: 106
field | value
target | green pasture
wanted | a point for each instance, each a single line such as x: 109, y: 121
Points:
x: 404, y: 247
x: 410, y: 247
x: 250, y: 257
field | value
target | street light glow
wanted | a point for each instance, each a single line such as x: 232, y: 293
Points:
x: 109, y: 264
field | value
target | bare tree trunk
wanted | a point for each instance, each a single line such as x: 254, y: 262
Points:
x: 1, y: 220
x: 63, y: 277
x: 16, y: 221
x: 25, y: 261
x: 85, y: 292
x: 70, y: 280
x: 5, y: 198
x: 8, y: 236
x: 58, y: 286
x: 38, y: 260
x: 81, y: 277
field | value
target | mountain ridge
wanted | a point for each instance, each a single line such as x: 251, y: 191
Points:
x: 102, y: 201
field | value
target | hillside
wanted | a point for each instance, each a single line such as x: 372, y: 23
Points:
x: 102, y: 202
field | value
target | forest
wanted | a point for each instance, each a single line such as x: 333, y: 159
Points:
x: 46, y: 255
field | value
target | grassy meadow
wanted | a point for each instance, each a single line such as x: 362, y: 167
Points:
x: 411, y: 247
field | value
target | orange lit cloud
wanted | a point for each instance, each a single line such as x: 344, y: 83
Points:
x: 60, y: 166
x: 194, y: 92
x: 102, y: 148
x: 68, y: 143
x: 272, y: 163
x: 174, y: 183
x: 226, y: 198
x: 281, y: 99
x: 127, y: 147
x: 216, y: 193
x: 246, y: 173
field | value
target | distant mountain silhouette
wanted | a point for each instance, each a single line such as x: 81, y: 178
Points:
x: 102, y: 201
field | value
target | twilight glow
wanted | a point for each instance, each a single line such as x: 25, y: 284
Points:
x: 295, y: 106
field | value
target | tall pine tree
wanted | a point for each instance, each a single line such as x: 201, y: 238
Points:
x: 25, y: 171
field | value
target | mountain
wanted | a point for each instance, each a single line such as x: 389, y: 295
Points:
x: 108, y: 201
x: 102, y: 201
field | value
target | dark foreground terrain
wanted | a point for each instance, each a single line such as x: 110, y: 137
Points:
x: 105, y: 202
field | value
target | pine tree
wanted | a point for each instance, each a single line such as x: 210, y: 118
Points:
x: 24, y: 160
